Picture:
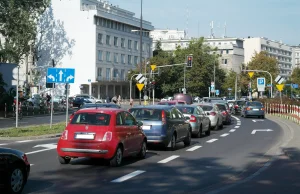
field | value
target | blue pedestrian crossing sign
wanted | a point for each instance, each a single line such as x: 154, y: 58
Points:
x: 60, y: 75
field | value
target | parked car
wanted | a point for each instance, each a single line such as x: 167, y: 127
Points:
x: 237, y: 107
x: 171, y: 102
x: 198, y: 119
x: 164, y: 125
x: 214, y: 114
x: 14, y: 170
x: 102, y: 133
x: 225, y: 111
x: 79, y: 101
x: 253, y: 108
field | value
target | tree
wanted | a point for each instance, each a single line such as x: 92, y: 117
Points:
x: 229, y: 82
x: 295, y: 77
x: 157, y: 49
x: 260, y: 61
x: 18, y: 27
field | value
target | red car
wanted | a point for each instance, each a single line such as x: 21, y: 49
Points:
x: 102, y: 133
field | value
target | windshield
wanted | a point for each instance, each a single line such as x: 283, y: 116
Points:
x: 240, y: 103
x: 206, y: 108
x: 186, y: 110
x: 221, y: 106
x: 254, y: 104
x: 91, y: 119
x: 146, y: 114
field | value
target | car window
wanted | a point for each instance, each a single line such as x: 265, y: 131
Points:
x: 207, y: 108
x: 221, y: 107
x: 254, y: 104
x: 146, y: 114
x: 180, y: 115
x: 201, y: 111
x: 186, y: 110
x: 174, y: 114
x: 180, y: 102
x: 240, y: 103
x: 168, y: 114
x: 119, y: 119
x: 128, y: 119
x: 91, y: 119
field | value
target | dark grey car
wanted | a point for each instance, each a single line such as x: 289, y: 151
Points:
x: 254, y: 108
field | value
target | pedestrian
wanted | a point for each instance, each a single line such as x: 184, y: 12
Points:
x: 119, y: 100
x: 114, y: 99
x: 107, y: 99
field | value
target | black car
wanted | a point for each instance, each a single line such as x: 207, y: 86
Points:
x: 79, y: 101
x: 237, y: 106
x: 14, y: 170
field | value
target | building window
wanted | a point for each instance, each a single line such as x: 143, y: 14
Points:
x: 224, y: 61
x: 116, y: 73
x: 129, y: 44
x: 227, y: 51
x: 123, y: 58
x: 108, y: 39
x: 115, y: 41
x: 107, y: 73
x: 135, y: 60
x: 123, y: 42
x: 107, y: 56
x: 100, y: 38
x: 99, y: 72
x: 100, y: 55
x: 136, y: 45
x: 129, y: 59
x: 143, y: 46
x: 122, y: 74
x: 116, y: 56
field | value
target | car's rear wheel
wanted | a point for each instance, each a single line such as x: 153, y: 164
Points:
x: 207, y: 133
x: 173, y: 142
x: 199, y: 134
x: 188, y: 138
x: 64, y: 160
x: 263, y: 117
x: 217, y: 125
x: 117, y: 159
x: 17, y: 179
x: 143, y: 151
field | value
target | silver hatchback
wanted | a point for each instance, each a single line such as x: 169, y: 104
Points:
x: 214, y: 114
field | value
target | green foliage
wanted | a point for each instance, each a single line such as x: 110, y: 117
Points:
x: 296, y: 76
x: 18, y: 27
x: 229, y: 82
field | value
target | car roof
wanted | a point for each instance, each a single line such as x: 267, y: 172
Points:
x: 186, y: 105
x: 99, y: 110
x: 162, y: 107
x: 206, y: 104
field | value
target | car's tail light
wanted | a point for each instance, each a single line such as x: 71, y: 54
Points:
x: 163, y: 117
x: 248, y: 108
x: 107, y: 136
x: 262, y: 108
x: 236, y: 106
x: 64, y: 135
x: 213, y: 113
x: 224, y: 113
x: 192, y: 119
x: 24, y: 157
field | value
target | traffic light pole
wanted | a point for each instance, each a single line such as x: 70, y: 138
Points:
x: 67, y: 103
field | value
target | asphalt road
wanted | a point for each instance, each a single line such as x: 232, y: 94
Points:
x: 207, y: 166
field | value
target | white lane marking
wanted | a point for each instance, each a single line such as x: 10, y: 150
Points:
x: 168, y: 159
x: 237, y: 127
x: 3, y: 144
x: 232, y: 130
x: 31, y: 164
x: 128, y: 176
x: 24, y: 141
x: 236, y: 118
x: 37, y: 151
x: 193, y: 148
x: 255, y: 130
x: 238, y: 124
x: 224, y: 135
x: 212, y: 140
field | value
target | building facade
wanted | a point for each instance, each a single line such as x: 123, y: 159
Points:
x: 107, y: 45
x: 282, y: 52
x: 296, y: 57
x: 231, y: 50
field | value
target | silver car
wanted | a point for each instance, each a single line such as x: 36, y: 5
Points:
x: 197, y: 118
x: 214, y: 114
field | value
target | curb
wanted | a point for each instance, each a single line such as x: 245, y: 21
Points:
x: 50, y: 136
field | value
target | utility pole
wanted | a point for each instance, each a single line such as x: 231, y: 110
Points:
x: 141, y: 45
x: 215, y: 78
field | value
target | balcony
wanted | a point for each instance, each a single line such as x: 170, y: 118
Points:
x: 111, y: 79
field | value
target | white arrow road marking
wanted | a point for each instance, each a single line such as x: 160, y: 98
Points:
x: 256, y: 120
x: 60, y: 75
x: 51, y: 77
x: 69, y: 78
x: 3, y: 144
x: 255, y: 130
x: 168, y: 159
x: 193, y: 148
x: 232, y: 130
x: 47, y: 146
x: 128, y: 176
x: 237, y: 127
x: 24, y: 141
x: 224, y: 135
x: 212, y: 140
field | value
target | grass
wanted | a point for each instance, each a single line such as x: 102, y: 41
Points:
x: 33, y: 130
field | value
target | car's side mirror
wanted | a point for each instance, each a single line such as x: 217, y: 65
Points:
x: 140, y: 123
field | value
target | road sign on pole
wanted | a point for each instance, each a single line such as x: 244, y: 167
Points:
x: 279, y: 79
x: 60, y: 75
x: 140, y: 86
x: 212, y: 87
x: 140, y: 78
x: 217, y: 92
x: 251, y: 73
x: 153, y: 67
x: 280, y: 87
x: 261, y: 84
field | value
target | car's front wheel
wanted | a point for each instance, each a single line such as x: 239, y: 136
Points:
x: 17, y: 179
x: 188, y: 138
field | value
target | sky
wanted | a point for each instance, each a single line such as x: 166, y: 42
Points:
x: 273, y: 19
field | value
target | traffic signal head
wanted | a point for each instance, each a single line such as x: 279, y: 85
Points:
x: 189, y: 61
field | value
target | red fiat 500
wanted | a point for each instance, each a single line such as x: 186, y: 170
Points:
x: 102, y: 133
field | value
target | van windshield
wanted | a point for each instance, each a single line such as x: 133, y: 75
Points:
x: 146, y: 114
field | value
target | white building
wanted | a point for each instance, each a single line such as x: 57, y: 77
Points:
x: 106, y: 48
x: 296, y: 57
x: 231, y: 50
x: 282, y: 52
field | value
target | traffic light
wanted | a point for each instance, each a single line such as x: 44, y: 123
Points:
x: 189, y: 61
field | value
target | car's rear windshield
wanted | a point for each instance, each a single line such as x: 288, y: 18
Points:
x: 91, y: 119
x: 221, y: 106
x: 146, y: 114
x: 240, y: 102
x: 100, y: 106
x: 186, y: 110
x: 206, y: 108
x: 254, y: 104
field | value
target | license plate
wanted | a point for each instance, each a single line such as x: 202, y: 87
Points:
x: 85, y: 136
x: 256, y: 109
x: 146, y: 127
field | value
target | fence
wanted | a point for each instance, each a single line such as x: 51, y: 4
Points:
x: 291, y: 112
